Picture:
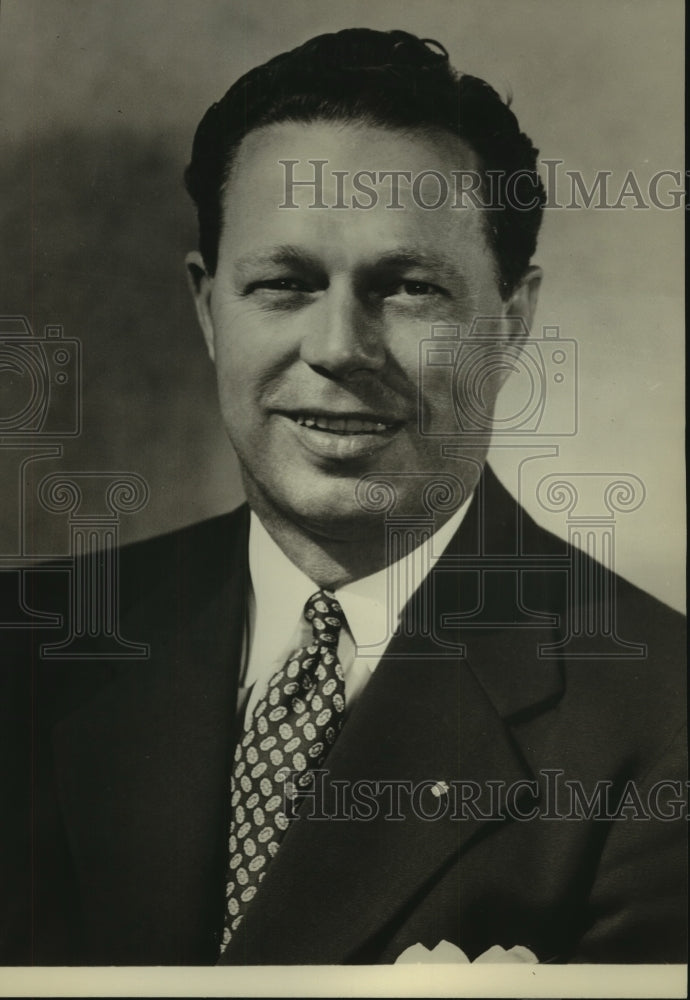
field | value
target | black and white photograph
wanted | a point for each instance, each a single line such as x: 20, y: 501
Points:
x: 342, y: 538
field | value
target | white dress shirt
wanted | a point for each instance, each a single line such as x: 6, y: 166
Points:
x: 372, y: 607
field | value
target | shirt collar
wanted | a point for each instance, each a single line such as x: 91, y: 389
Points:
x: 280, y: 591
x: 372, y: 605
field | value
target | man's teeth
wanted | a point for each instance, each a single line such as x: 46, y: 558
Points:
x: 343, y: 425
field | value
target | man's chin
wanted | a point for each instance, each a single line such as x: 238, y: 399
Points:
x: 329, y: 515
x: 337, y: 522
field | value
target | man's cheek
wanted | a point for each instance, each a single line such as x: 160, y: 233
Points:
x: 436, y: 403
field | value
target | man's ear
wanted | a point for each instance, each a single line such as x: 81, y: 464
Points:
x: 523, y: 303
x: 201, y: 285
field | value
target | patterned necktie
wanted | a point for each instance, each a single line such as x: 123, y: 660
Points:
x: 291, y: 731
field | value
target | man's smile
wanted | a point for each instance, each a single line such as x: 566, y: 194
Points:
x: 338, y: 436
x: 344, y: 423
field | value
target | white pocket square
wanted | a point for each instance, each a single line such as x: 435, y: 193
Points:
x: 446, y: 953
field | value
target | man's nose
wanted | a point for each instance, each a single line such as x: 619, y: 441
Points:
x: 344, y: 335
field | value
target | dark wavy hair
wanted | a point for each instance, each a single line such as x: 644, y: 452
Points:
x: 385, y: 78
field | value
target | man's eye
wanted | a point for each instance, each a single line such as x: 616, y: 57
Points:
x: 277, y: 285
x: 415, y: 288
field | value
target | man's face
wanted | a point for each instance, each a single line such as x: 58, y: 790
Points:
x: 315, y: 316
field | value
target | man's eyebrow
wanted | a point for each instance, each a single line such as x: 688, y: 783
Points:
x: 411, y: 257
x: 284, y: 255
x: 402, y: 258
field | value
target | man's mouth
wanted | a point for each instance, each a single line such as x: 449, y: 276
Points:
x: 342, y: 437
x: 343, y: 425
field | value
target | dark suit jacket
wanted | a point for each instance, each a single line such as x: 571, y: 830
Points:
x: 118, y: 772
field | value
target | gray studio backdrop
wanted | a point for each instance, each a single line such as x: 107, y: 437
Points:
x: 99, y: 100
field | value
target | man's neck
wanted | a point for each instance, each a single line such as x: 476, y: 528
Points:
x: 329, y: 561
x: 332, y: 556
x: 333, y: 552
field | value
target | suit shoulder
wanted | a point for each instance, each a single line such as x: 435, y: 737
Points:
x: 631, y: 599
x: 621, y: 647
x: 202, y: 542
x: 215, y: 532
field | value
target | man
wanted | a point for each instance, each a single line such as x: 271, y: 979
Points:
x: 342, y: 743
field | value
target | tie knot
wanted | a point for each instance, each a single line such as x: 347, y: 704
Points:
x: 325, y: 616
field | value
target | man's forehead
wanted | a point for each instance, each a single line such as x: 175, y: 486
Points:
x: 345, y: 156
x: 333, y: 181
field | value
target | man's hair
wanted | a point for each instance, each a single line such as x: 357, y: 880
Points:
x: 390, y: 79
